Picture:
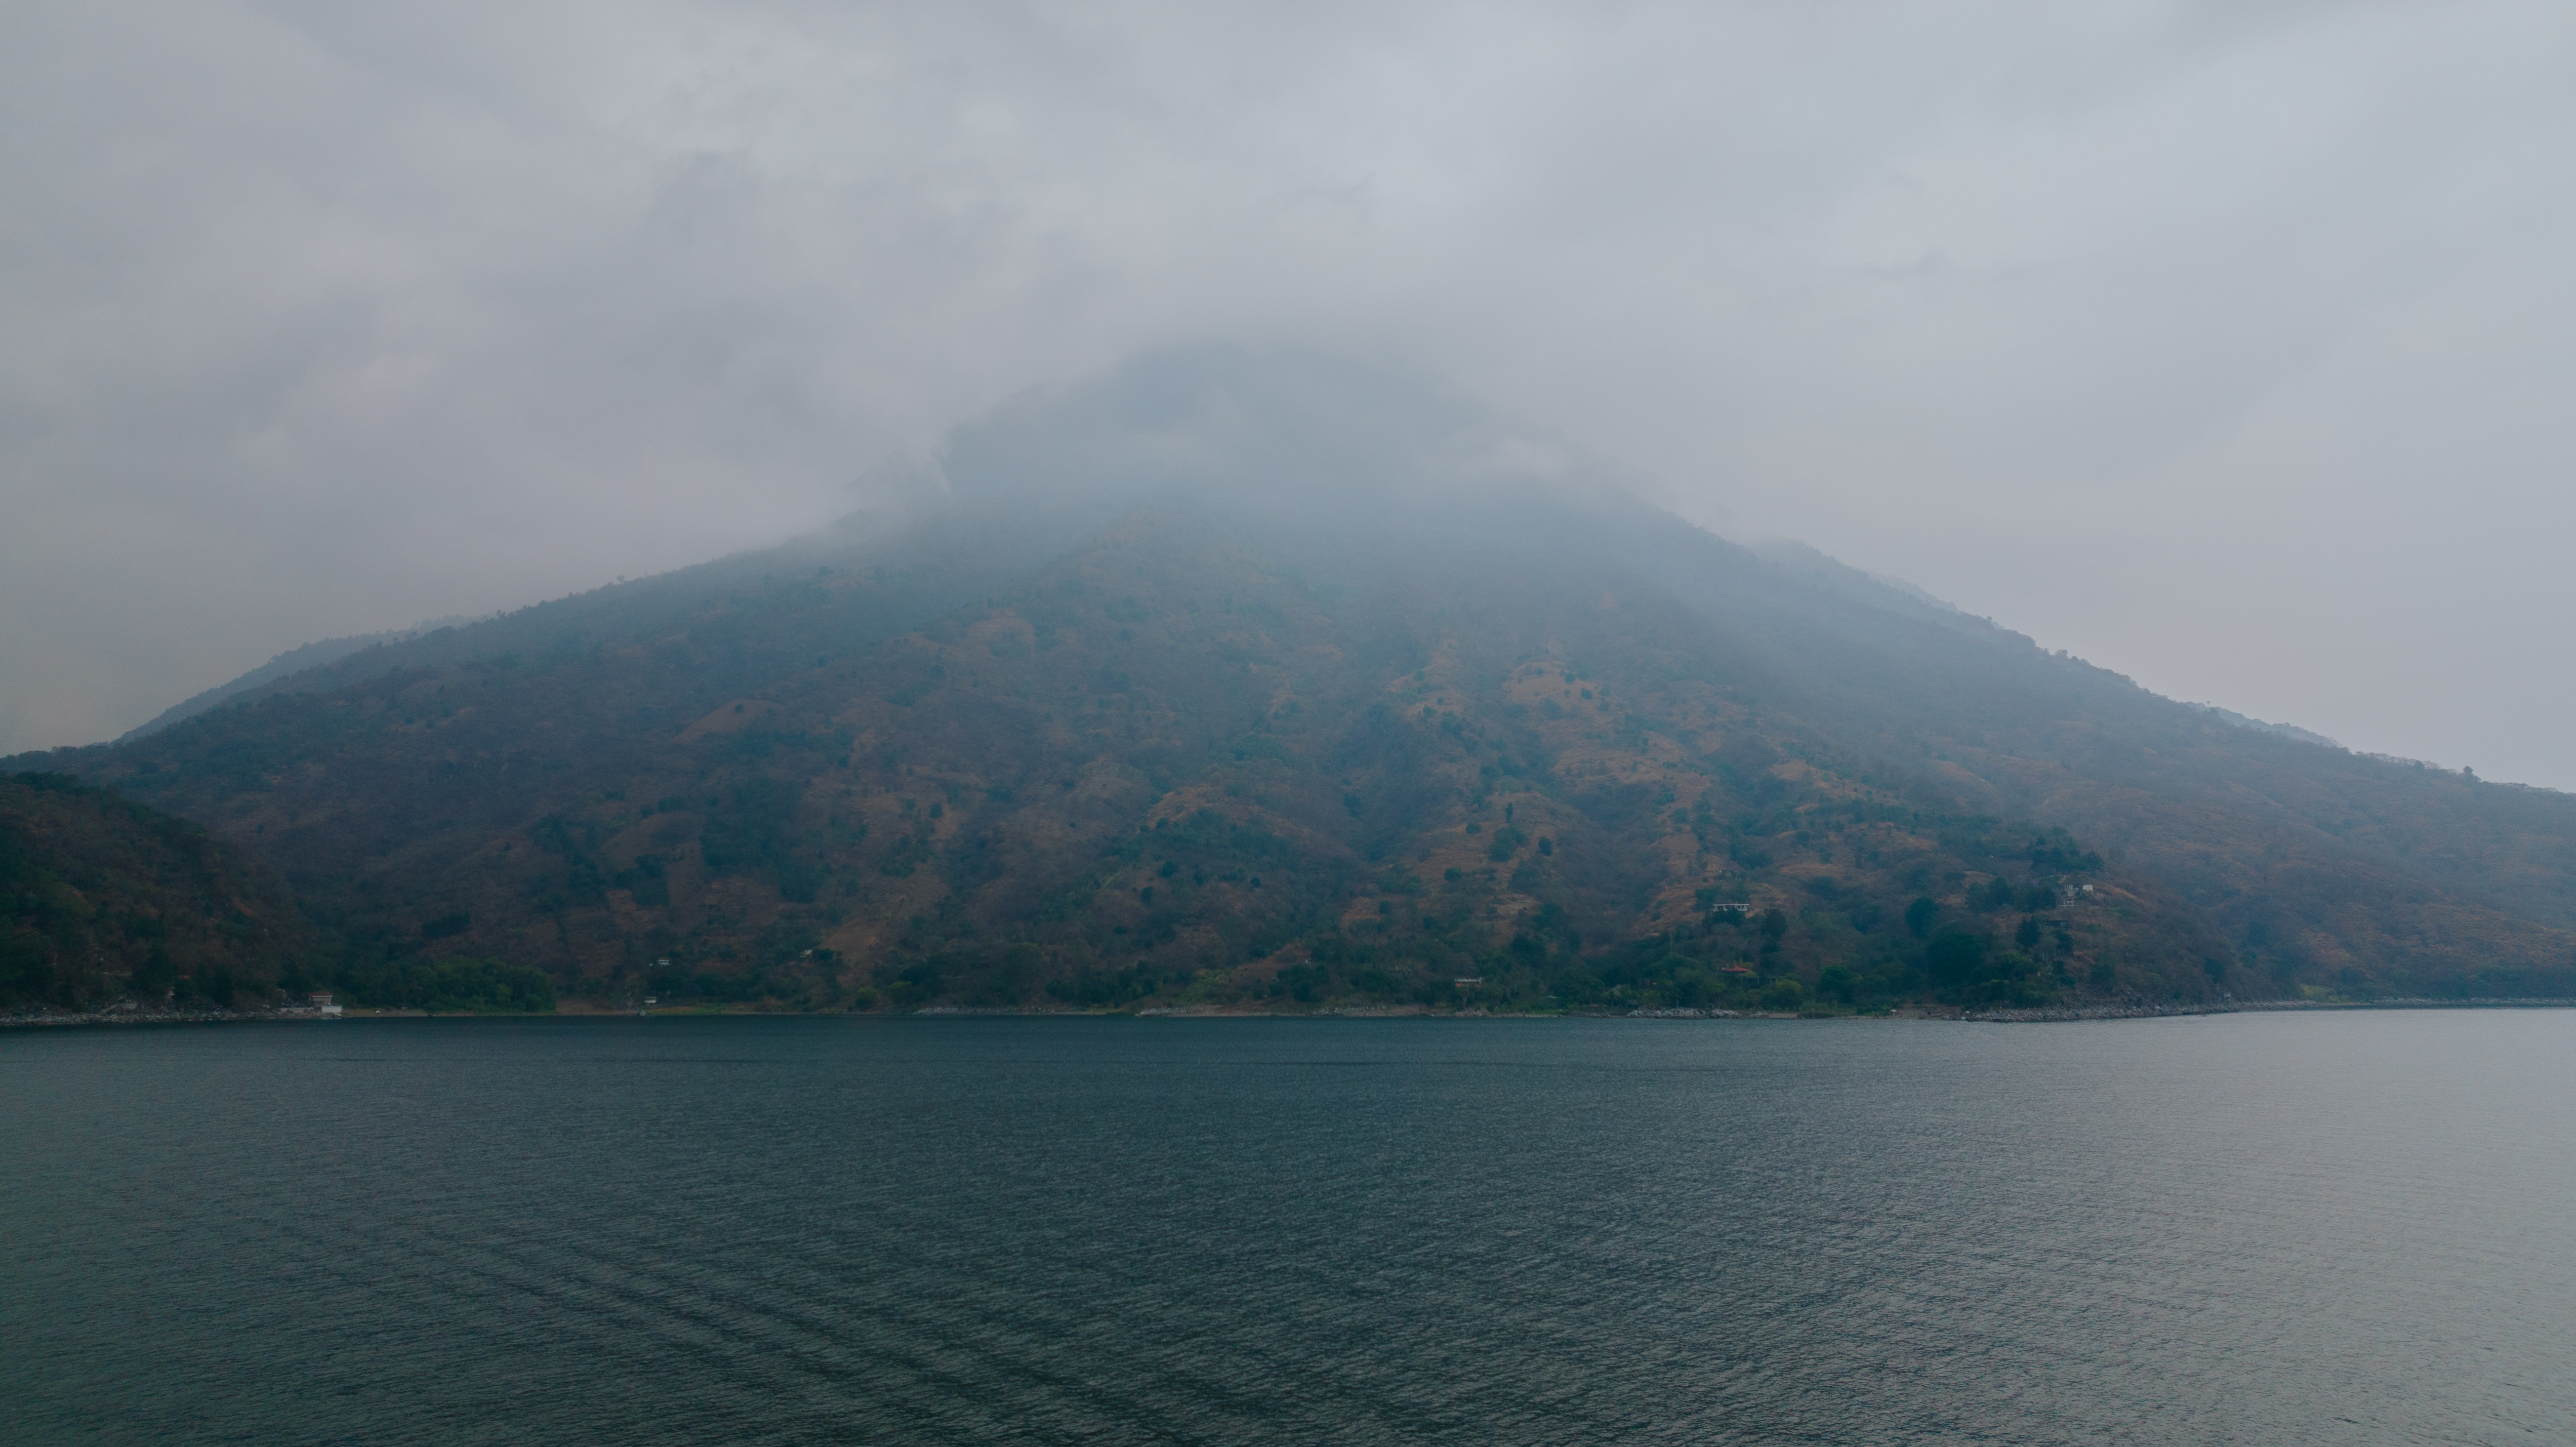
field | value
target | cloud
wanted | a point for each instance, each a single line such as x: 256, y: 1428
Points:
x: 2216, y: 342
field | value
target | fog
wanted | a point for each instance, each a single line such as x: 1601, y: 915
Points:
x: 2220, y: 344
x: 1302, y: 431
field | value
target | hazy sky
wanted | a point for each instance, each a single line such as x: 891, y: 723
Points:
x: 2225, y: 344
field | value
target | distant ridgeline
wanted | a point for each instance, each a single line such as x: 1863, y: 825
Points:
x: 1438, y: 732
x: 287, y: 665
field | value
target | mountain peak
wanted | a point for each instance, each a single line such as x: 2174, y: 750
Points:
x: 1271, y: 678
x: 1265, y: 426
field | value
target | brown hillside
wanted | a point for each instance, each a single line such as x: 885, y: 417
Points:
x: 102, y: 898
x: 1245, y: 678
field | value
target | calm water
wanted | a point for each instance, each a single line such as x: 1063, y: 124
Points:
x: 2249, y: 1229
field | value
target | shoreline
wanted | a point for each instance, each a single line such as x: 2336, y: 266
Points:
x: 2044, y: 1015
x: 45, y: 1019
x: 2059, y: 1014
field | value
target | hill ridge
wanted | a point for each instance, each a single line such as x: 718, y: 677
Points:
x: 925, y: 756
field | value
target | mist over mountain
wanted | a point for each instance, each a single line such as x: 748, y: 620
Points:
x: 285, y: 665
x: 1240, y: 676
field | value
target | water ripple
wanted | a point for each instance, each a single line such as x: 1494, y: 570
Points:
x: 2254, y: 1229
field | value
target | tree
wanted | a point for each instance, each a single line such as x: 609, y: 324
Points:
x: 154, y: 977
x: 1835, y: 982
x: 1920, y: 915
x: 1953, y: 957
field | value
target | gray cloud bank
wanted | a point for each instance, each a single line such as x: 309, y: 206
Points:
x: 2219, y: 343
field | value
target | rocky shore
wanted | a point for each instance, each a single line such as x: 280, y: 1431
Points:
x: 2046, y: 1015
x: 2055, y: 1013
x: 30, y: 1018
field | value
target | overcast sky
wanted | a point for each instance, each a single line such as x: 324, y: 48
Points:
x: 2225, y: 344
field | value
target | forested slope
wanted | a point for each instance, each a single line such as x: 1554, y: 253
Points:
x: 1169, y: 760
x: 1227, y: 679
x: 102, y: 898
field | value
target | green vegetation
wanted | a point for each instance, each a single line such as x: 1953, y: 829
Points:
x: 103, y: 899
x: 457, y: 986
x: 1569, y: 762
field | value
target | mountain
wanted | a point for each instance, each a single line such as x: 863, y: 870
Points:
x: 285, y: 665
x: 2287, y: 731
x: 101, y: 898
x: 1237, y: 676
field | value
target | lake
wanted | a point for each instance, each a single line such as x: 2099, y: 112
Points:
x: 2277, y: 1229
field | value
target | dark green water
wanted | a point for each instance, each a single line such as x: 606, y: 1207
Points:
x: 2248, y: 1229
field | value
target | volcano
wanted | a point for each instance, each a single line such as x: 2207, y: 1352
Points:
x: 1266, y: 680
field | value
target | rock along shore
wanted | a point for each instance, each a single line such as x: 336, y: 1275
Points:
x: 38, y: 1019
x: 2055, y: 1013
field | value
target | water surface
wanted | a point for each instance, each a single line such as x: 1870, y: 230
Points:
x: 2255, y: 1229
